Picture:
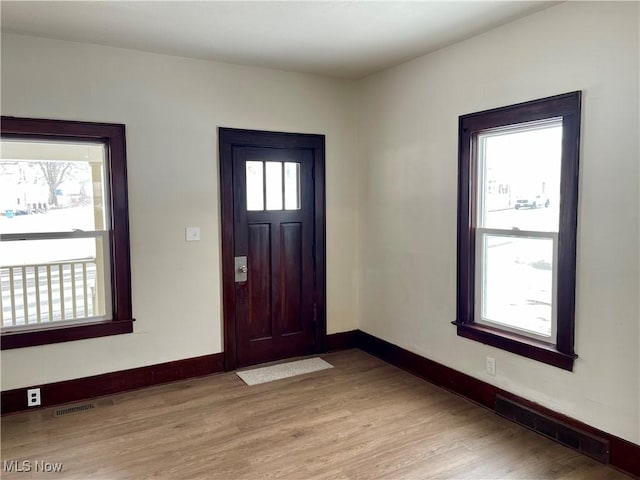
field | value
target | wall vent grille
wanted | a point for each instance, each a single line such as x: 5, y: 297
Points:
x: 74, y: 409
x: 590, y: 445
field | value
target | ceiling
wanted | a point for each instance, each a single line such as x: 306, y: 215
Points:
x: 347, y: 39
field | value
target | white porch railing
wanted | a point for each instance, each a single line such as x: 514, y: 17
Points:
x: 50, y: 292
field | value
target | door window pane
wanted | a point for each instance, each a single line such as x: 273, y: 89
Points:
x: 291, y: 186
x: 519, y: 175
x: 274, y: 185
x: 517, y: 282
x: 282, y: 182
x: 255, y: 186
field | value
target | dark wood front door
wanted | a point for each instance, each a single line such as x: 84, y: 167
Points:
x: 273, y: 245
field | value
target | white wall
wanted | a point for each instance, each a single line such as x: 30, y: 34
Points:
x: 394, y: 213
x: 172, y: 107
x: 408, y: 239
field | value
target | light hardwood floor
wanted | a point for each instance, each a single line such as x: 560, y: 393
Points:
x: 363, y: 419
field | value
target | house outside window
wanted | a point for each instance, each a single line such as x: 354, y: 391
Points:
x: 64, y: 247
x: 517, y: 227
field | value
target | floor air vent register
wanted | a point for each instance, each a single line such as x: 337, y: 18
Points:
x: 590, y: 445
x: 73, y: 409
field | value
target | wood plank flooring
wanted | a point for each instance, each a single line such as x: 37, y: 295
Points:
x: 363, y: 419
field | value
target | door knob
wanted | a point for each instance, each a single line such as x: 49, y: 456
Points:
x: 241, y: 269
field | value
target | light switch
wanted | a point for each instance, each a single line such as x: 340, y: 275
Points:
x: 192, y: 234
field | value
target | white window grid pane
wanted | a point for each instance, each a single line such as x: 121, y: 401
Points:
x: 291, y: 186
x: 273, y: 172
x: 255, y: 185
x: 49, y: 302
x: 514, y: 188
x: 481, y: 270
x: 81, y: 169
x: 272, y: 185
x: 39, y: 290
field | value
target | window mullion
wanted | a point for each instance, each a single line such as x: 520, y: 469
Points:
x: 8, y: 237
x: 516, y: 233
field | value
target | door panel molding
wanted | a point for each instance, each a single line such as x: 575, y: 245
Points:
x: 230, y: 139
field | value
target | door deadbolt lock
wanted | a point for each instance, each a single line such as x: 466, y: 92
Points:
x: 241, y: 269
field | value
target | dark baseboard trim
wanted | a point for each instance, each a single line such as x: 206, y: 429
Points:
x: 623, y: 455
x: 342, y: 340
x: 79, y: 389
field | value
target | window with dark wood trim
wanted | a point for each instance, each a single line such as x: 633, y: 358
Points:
x: 517, y: 218
x: 33, y: 321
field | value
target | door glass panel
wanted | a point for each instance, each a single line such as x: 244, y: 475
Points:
x: 517, y: 282
x: 274, y: 185
x: 255, y: 186
x: 291, y: 186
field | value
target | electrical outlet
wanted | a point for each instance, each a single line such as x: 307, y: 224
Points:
x: 491, y: 366
x: 33, y: 397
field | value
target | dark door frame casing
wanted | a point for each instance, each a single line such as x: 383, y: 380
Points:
x: 227, y: 139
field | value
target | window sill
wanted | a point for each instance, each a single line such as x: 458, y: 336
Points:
x: 65, y: 334
x: 527, y: 347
